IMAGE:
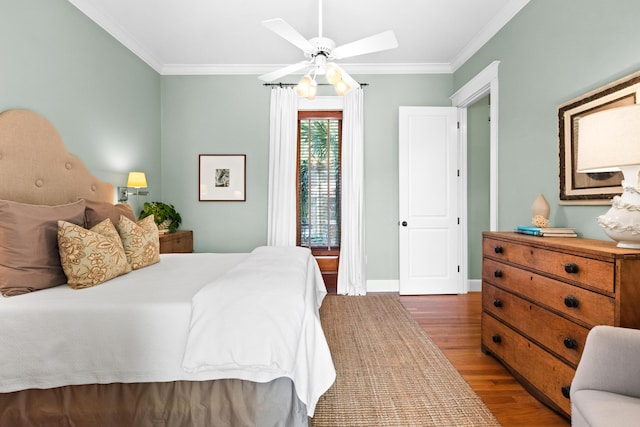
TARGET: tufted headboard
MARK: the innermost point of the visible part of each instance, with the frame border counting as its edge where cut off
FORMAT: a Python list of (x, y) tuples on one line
[(36, 168)]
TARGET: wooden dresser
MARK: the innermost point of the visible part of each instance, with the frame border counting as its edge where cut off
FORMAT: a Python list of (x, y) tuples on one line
[(540, 298), (181, 241)]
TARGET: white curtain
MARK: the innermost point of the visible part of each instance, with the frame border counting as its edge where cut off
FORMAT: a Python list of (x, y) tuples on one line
[(352, 268), (281, 229)]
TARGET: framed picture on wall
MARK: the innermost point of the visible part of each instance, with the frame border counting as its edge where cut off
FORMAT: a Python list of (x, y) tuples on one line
[(222, 178), (590, 188)]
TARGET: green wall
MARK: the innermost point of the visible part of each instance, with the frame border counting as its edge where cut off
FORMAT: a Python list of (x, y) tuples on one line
[(230, 115), (104, 101), (551, 52)]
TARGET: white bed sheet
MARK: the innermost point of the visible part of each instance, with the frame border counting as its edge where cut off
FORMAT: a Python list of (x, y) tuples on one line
[(141, 320), (270, 303)]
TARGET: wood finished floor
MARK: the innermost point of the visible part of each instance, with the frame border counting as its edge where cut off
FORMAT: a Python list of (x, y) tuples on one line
[(453, 322)]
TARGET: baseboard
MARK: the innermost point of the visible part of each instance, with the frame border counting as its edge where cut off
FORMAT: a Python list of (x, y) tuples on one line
[(474, 285), (383, 285), (394, 285)]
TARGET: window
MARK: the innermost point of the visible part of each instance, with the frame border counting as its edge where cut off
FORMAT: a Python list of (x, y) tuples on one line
[(319, 145)]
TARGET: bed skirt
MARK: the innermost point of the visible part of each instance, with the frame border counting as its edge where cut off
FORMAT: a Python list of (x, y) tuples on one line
[(227, 402)]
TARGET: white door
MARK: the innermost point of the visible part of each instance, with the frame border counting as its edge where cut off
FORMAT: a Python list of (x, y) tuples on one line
[(429, 200)]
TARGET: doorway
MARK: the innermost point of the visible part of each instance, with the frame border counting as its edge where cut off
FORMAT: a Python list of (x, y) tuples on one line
[(483, 84)]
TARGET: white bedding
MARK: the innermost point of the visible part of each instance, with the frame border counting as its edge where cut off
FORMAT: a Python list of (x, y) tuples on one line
[(272, 328), (134, 328)]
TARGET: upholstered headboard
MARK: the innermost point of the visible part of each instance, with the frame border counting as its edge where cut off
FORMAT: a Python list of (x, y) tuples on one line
[(36, 168)]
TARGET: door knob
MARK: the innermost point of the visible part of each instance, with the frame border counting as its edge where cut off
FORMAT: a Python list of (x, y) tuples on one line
[(404, 223)]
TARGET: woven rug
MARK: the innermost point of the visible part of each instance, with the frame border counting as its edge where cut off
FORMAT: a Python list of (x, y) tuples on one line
[(389, 372)]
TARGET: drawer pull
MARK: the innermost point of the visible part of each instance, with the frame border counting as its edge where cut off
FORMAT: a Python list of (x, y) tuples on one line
[(497, 249), (571, 268), (566, 391), (497, 303), (496, 339), (571, 302), (497, 273), (570, 343)]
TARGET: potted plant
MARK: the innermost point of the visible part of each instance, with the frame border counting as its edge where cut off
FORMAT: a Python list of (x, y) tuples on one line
[(164, 215)]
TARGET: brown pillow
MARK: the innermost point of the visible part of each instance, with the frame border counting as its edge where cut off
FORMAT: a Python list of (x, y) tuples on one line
[(96, 212), (140, 240), (91, 257), (29, 259)]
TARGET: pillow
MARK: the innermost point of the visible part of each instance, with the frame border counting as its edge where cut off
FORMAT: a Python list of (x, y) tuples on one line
[(29, 259), (140, 240), (91, 257), (96, 212)]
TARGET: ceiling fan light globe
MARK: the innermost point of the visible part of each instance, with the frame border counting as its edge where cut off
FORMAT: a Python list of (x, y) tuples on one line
[(333, 74), (341, 87), (304, 86), (313, 89)]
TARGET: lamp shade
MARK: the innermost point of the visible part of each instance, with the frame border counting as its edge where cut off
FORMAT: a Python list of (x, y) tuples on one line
[(332, 73), (341, 87), (137, 179), (609, 140)]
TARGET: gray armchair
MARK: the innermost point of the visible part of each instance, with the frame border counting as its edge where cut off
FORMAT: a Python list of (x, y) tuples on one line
[(606, 388)]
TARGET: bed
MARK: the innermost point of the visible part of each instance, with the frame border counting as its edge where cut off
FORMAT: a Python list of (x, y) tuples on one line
[(188, 339)]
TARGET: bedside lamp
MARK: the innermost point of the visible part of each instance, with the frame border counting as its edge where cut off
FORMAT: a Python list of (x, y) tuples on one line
[(135, 181), (610, 141)]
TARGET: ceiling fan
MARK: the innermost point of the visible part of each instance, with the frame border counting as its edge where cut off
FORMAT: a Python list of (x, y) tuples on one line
[(321, 52)]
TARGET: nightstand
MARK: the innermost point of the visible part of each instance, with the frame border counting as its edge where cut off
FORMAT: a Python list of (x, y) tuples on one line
[(181, 241)]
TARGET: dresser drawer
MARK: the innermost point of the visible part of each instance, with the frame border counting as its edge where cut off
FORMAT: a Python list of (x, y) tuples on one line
[(180, 241), (550, 377), (554, 332), (581, 304), (595, 273)]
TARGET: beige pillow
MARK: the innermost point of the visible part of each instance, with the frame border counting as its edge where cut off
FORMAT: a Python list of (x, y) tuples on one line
[(140, 240), (96, 212), (29, 259), (91, 257)]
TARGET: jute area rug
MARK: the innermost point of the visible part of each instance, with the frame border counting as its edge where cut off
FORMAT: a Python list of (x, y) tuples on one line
[(389, 372)]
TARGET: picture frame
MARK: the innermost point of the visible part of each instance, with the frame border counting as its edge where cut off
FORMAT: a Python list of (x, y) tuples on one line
[(590, 188), (222, 177)]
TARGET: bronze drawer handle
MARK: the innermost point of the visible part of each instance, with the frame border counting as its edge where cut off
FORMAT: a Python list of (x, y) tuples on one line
[(571, 302), (566, 391), (496, 339), (497, 273), (497, 303), (571, 268), (498, 249), (570, 343)]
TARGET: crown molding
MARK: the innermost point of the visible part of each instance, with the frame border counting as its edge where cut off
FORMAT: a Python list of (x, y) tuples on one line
[(107, 24), (257, 69), (487, 32)]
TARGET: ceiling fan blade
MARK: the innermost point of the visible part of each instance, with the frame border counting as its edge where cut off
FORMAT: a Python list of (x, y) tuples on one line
[(287, 32), (269, 77), (382, 41), (345, 76)]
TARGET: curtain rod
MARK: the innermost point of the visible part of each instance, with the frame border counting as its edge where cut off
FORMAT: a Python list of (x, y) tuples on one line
[(295, 84)]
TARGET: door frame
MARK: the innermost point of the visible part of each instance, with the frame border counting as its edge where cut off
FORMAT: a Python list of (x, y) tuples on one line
[(482, 84)]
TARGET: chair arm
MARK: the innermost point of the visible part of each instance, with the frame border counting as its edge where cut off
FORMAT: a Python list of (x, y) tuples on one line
[(610, 362)]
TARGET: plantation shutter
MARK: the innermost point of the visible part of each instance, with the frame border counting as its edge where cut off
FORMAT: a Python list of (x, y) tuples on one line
[(319, 181)]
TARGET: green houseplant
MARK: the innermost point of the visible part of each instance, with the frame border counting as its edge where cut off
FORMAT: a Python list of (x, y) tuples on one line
[(164, 215)]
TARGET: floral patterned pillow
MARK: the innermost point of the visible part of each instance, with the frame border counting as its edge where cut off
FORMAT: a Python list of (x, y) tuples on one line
[(140, 240), (90, 257)]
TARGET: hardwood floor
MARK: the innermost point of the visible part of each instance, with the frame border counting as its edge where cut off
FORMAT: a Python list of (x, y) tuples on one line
[(453, 322)]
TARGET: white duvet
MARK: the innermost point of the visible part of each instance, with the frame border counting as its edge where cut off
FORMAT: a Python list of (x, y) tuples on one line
[(189, 317), (272, 328)]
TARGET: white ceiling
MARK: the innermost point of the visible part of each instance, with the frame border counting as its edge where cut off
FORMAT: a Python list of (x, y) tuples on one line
[(227, 37)]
